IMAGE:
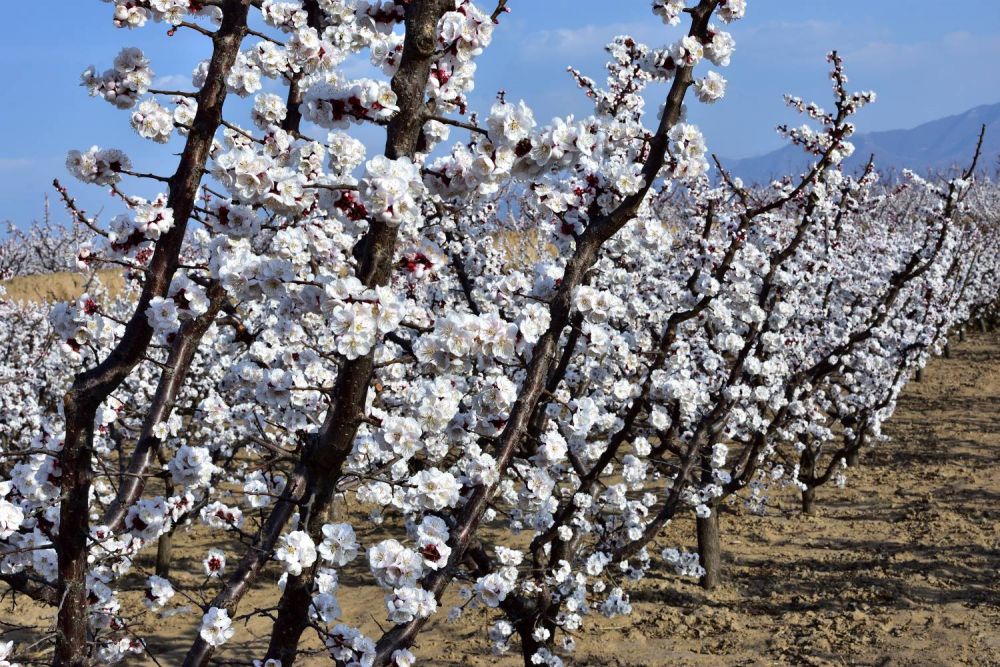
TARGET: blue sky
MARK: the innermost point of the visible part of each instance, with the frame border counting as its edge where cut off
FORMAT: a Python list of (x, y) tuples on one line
[(924, 60)]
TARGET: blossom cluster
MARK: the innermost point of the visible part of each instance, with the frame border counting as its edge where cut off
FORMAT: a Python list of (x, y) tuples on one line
[(125, 82)]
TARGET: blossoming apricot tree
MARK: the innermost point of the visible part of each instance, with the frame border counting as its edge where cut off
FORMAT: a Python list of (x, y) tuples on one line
[(313, 329)]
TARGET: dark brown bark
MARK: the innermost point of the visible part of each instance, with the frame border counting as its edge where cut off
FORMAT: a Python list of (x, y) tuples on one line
[(71, 542), (93, 386), (164, 545), (809, 501), (529, 645), (807, 475), (254, 559), (710, 550), (854, 458), (164, 551)]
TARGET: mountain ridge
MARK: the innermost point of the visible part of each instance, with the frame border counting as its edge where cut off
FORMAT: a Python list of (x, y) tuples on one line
[(932, 147)]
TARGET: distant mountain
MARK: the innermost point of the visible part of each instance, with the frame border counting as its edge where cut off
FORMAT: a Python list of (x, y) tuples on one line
[(932, 147)]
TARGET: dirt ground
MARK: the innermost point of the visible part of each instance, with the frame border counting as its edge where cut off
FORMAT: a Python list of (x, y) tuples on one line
[(900, 568)]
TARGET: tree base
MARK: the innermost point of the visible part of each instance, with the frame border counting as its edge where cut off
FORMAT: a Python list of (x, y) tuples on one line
[(710, 550)]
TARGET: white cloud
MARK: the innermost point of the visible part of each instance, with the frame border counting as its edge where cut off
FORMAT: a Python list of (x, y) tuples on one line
[(952, 49), (19, 162), (172, 82), (587, 42)]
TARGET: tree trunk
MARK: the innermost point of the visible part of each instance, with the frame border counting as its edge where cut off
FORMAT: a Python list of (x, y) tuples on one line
[(855, 447), (920, 375), (947, 350), (91, 387), (854, 458), (961, 335), (807, 475), (331, 445), (529, 646), (710, 550), (72, 620), (164, 547), (809, 501)]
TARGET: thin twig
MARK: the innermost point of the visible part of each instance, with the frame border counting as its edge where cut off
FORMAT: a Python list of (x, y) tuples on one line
[(501, 9), (458, 123), (139, 174), (78, 213), (172, 93)]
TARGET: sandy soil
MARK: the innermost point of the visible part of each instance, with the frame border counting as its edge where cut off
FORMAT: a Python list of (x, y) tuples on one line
[(900, 568)]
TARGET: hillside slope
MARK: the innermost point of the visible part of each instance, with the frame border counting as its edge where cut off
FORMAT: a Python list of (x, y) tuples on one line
[(932, 147)]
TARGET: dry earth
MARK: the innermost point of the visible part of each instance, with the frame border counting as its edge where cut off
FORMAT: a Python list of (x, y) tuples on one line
[(898, 569)]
